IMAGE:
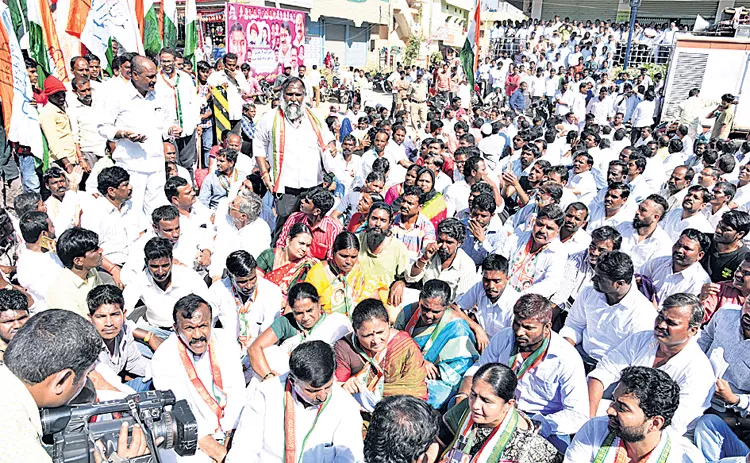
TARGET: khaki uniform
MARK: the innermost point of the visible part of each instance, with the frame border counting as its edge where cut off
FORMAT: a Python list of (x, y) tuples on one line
[(418, 93), (402, 87)]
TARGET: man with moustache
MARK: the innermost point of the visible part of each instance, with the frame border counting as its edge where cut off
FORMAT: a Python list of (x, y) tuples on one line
[(643, 238), (377, 151), (85, 116), (160, 285), (728, 249), (139, 122), (177, 92), (669, 346), (55, 124), (681, 272), (537, 258), (608, 311), (445, 260), (573, 232), (726, 336), (558, 410), (14, 313), (639, 423), (615, 209), (292, 147), (484, 230), (200, 365), (690, 215)]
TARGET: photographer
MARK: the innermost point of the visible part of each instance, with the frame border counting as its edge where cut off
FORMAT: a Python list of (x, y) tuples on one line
[(46, 365)]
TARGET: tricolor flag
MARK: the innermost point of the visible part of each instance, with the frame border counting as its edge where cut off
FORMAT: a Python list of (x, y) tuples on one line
[(470, 51), (107, 20), (191, 31), (43, 44), (20, 117), (170, 23), (151, 36)]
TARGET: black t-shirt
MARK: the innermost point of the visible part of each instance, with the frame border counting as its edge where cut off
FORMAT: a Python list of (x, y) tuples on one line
[(721, 267)]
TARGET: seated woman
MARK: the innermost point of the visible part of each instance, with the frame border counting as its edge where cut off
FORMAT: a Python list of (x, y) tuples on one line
[(374, 184), (376, 361), (488, 428), (434, 207), (269, 353), (446, 340), (340, 282), (286, 266), (395, 192), (358, 223)]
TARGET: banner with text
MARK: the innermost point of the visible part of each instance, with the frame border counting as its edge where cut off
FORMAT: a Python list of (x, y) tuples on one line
[(268, 39)]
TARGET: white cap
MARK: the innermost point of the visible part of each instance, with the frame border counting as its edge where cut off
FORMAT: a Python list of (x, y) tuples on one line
[(486, 129)]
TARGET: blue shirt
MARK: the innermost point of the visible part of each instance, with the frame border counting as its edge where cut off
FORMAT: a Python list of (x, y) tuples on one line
[(517, 100)]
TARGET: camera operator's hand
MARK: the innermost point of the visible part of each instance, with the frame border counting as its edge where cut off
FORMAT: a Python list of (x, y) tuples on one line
[(137, 447)]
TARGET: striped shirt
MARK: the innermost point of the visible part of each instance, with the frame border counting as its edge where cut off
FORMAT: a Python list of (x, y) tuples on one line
[(417, 238)]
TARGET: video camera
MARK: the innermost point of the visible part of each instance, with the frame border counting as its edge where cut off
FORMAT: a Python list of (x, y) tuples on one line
[(73, 435)]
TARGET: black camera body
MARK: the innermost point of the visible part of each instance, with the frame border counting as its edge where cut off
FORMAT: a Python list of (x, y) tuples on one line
[(73, 435)]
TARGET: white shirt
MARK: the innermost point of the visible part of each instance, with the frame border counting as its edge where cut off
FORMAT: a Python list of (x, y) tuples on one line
[(35, 272), (159, 303), (585, 183), (492, 316), (126, 109), (601, 109), (185, 251), (598, 217), (303, 159), (589, 439), (189, 104), (673, 223), (550, 263), (714, 219), (234, 92), (554, 392), (442, 181), (690, 369), (84, 122), (578, 242), (169, 372), (336, 436), (118, 229), (599, 327), (456, 197), (643, 115), (690, 280), (254, 238), (264, 308), (658, 244)]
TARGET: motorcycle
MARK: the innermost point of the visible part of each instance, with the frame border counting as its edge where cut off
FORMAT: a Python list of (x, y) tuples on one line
[(437, 103), (267, 88), (325, 90)]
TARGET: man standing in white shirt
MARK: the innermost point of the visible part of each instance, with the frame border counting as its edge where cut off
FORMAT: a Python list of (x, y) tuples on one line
[(201, 366), (178, 94), (232, 79), (601, 108), (681, 272), (291, 147), (302, 414), (669, 346), (638, 423), (608, 311), (64, 203), (85, 116), (139, 122), (558, 410)]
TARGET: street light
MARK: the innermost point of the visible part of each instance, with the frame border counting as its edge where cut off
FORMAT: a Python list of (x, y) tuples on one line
[(634, 4)]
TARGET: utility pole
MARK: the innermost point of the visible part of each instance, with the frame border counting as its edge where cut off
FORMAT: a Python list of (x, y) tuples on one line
[(634, 4)]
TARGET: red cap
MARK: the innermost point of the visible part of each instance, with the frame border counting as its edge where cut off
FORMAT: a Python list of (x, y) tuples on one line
[(53, 85)]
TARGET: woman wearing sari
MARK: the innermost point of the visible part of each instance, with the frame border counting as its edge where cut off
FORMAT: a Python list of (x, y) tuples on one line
[(376, 361), (395, 192), (446, 340), (286, 266), (434, 207), (340, 282), (269, 352), (487, 427)]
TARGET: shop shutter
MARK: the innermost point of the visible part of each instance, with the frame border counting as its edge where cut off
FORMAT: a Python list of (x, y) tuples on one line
[(580, 10), (689, 69), (335, 40), (685, 11)]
